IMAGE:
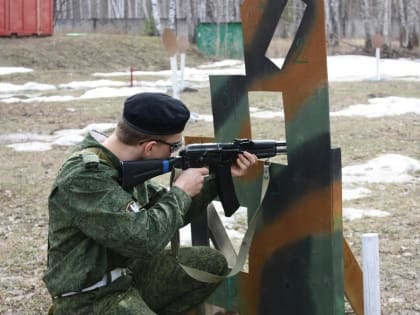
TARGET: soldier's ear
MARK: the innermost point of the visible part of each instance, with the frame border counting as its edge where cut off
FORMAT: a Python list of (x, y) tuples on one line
[(148, 147)]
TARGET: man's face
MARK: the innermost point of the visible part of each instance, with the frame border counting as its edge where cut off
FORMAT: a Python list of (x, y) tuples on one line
[(162, 149)]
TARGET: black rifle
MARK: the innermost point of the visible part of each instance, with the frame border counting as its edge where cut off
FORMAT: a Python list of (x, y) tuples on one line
[(218, 157)]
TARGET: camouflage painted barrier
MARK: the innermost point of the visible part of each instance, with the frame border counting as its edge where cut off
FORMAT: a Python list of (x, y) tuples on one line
[(297, 261)]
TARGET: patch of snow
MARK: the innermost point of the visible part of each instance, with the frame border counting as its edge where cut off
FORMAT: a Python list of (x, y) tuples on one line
[(201, 117), (29, 86), (387, 168), (40, 99), (267, 114), (379, 107), (221, 64), (23, 137), (92, 84), (68, 140), (107, 92), (65, 137), (31, 146), (353, 214), (355, 193), (10, 70)]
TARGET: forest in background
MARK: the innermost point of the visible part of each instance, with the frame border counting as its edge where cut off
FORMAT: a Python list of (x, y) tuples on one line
[(394, 20)]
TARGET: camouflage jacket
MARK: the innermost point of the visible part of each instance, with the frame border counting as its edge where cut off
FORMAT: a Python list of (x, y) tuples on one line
[(92, 229)]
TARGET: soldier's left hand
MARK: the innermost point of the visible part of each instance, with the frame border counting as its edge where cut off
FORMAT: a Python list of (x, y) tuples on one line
[(243, 163)]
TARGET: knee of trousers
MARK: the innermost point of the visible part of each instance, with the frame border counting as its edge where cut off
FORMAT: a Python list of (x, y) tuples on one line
[(204, 258)]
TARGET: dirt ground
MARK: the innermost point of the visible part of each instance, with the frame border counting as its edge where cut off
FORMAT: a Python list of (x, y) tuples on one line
[(26, 177)]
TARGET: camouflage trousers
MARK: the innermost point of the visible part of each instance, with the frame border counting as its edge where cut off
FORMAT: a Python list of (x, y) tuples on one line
[(157, 287)]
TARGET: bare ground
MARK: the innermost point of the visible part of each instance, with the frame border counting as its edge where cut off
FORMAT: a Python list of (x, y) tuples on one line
[(26, 177)]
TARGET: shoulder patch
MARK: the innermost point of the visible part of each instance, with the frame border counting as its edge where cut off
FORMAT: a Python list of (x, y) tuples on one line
[(90, 160)]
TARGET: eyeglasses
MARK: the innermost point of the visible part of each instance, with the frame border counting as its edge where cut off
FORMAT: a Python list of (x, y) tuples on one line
[(173, 147)]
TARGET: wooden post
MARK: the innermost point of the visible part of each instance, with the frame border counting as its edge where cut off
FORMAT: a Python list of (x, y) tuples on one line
[(371, 279)]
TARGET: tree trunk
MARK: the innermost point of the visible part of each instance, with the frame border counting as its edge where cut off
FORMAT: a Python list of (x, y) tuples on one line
[(211, 11), (403, 24), (334, 32), (298, 14), (70, 9), (59, 6), (348, 18), (218, 21), (413, 22), (202, 13), (416, 39), (328, 26), (367, 24), (191, 11), (156, 17), (172, 15), (237, 10), (387, 23), (146, 10), (116, 9), (129, 12), (343, 18), (98, 9)]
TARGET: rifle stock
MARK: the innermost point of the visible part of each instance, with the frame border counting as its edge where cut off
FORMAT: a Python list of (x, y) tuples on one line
[(137, 172)]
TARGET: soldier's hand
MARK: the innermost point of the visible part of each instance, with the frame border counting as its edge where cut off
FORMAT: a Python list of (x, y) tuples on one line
[(191, 180), (243, 163)]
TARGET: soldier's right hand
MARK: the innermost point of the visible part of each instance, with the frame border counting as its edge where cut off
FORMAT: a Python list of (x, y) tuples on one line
[(191, 180)]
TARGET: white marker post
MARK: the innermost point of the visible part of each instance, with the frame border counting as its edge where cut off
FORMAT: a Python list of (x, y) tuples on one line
[(174, 76), (378, 42), (182, 68), (371, 278), (182, 46), (378, 59)]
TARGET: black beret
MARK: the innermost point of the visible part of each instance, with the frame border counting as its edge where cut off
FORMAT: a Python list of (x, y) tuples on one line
[(155, 114)]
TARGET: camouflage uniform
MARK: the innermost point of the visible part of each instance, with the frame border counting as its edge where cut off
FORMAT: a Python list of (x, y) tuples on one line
[(93, 230)]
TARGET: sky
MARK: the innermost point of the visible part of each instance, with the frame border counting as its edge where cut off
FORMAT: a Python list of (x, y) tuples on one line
[(385, 168)]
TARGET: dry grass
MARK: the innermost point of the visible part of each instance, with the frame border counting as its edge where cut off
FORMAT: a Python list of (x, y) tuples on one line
[(26, 177)]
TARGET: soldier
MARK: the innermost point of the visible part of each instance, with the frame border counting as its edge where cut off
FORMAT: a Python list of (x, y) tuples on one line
[(106, 246)]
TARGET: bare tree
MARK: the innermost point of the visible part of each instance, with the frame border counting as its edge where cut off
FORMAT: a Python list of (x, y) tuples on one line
[(196, 13), (413, 22), (387, 17), (201, 9), (386, 27), (299, 9), (367, 24), (156, 17), (146, 10), (333, 31), (237, 7), (327, 18), (172, 15), (58, 9), (403, 23)]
